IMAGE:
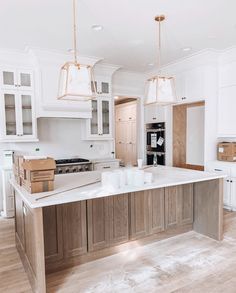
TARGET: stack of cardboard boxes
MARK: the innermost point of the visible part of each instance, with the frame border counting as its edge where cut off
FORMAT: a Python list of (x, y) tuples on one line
[(226, 151), (35, 175)]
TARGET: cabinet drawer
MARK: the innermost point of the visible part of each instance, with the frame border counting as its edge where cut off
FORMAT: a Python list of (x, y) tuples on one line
[(106, 166)]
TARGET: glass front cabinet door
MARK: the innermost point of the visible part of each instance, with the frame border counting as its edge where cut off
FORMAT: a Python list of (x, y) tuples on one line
[(18, 122), (99, 126)]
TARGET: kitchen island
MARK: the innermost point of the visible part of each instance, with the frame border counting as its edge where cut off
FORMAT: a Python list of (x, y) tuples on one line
[(73, 225)]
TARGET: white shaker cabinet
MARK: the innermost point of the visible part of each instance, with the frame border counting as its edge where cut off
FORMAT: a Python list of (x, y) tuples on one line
[(18, 121), (103, 86), (226, 112), (190, 85), (154, 113), (99, 127), (8, 194), (229, 188)]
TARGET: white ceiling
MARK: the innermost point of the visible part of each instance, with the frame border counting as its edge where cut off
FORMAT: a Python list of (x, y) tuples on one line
[(129, 35)]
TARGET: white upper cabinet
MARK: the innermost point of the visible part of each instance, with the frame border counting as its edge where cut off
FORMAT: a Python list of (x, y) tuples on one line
[(18, 122), (227, 76), (17, 79), (103, 86), (154, 113), (99, 127), (190, 85), (226, 112)]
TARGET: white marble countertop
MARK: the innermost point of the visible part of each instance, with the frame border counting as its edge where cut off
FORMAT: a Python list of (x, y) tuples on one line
[(162, 177)]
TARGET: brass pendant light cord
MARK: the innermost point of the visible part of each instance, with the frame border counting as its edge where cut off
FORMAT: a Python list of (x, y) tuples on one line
[(75, 31), (159, 47)]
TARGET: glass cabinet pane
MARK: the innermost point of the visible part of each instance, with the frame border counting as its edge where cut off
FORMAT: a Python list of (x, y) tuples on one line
[(8, 78), (94, 119), (27, 114), (10, 114), (25, 79), (105, 87), (105, 117)]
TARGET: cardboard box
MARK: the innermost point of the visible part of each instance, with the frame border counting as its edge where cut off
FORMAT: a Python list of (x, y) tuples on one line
[(35, 187), (21, 169), (38, 176), (39, 164), (226, 151)]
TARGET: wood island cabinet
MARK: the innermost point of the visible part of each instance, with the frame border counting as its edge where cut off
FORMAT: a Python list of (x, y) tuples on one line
[(53, 237), (178, 205), (75, 228), (146, 213), (138, 215), (98, 223), (107, 222)]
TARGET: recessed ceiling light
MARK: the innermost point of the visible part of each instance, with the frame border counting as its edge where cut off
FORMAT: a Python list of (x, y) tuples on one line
[(187, 49), (97, 27), (116, 97), (150, 64)]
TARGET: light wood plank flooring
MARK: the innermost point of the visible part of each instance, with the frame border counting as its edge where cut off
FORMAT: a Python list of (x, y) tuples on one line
[(185, 263)]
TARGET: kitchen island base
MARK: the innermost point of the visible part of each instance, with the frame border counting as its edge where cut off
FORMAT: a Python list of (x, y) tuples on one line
[(55, 237)]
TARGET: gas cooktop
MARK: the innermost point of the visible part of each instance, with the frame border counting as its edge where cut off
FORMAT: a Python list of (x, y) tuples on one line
[(71, 161), (73, 165)]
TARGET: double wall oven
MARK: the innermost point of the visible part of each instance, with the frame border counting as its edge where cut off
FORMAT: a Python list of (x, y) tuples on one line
[(155, 135)]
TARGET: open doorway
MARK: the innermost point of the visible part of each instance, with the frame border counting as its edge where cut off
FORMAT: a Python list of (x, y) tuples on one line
[(126, 125), (188, 135)]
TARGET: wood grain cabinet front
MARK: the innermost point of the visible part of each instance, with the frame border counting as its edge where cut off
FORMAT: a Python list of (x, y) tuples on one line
[(98, 223), (146, 213), (75, 228), (107, 222), (19, 221), (53, 237), (178, 205)]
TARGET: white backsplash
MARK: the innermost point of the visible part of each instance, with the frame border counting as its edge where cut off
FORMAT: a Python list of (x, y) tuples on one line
[(60, 138)]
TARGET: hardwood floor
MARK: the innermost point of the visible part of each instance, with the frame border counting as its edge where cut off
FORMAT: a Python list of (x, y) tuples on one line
[(186, 263)]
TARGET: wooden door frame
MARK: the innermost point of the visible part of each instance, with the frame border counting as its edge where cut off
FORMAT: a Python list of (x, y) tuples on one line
[(180, 135)]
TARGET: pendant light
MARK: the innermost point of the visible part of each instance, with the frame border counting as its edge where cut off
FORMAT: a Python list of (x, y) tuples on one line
[(160, 89), (76, 80)]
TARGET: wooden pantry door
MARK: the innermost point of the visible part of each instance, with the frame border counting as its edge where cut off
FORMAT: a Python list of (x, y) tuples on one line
[(188, 136)]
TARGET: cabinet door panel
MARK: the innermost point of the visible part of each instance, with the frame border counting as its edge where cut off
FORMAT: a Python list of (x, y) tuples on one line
[(186, 204), (8, 79), (226, 112), (53, 242), (98, 224), (171, 207), (29, 238), (119, 232), (19, 227), (156, 214), (74, 228), (138, 215), (178, 205)]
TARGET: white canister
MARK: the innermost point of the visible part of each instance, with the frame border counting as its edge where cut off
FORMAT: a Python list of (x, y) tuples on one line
[(114, 180), (138, 178), (129, 173), (122, 178), (105, 178)]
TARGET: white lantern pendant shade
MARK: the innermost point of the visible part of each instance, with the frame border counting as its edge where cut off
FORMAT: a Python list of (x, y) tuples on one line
[(76, 82), (160, 90)]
